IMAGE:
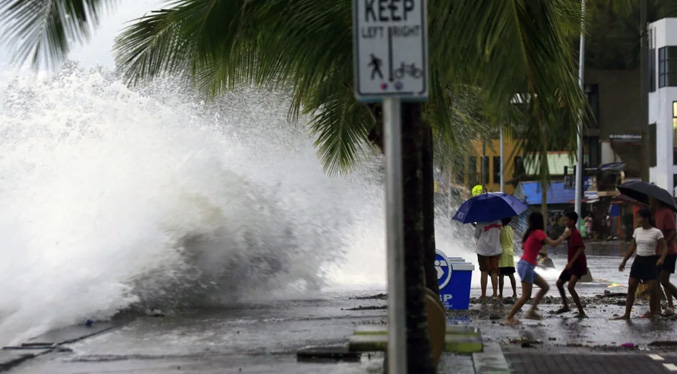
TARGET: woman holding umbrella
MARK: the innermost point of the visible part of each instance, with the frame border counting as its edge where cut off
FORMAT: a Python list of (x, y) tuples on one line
[(532, 243), (486, 211), (665, 221), (662, 208)]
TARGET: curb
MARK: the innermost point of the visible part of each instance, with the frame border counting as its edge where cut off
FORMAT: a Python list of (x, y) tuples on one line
[(491, 360)]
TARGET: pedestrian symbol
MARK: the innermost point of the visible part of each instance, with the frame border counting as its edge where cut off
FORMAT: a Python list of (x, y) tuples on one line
[(375, 65), (391, 57)]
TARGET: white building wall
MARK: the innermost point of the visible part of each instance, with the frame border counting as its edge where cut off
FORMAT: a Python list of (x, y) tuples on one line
[(608, 154), (663, 33)]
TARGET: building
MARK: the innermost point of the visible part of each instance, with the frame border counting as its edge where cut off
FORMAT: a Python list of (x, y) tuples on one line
[(468, 172), (517, 167), (613, 134), (662, 129)]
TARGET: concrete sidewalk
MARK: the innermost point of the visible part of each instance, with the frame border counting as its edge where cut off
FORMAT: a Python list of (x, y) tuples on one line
[(563, 360)]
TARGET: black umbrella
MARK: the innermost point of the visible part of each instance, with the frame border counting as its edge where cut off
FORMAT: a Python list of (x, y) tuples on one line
[(642, 191)]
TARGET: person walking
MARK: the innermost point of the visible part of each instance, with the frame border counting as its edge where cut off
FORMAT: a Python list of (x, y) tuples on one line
[(664, 218), (532, 243), (588, 225), (488, 251), (506, 263), (644, 267), (576, 267)]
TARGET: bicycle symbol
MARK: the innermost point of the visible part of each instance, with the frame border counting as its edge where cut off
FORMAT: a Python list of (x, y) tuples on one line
[(405, 69)]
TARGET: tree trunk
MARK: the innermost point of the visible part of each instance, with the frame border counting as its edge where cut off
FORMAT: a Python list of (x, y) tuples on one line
[(416, 239), (429, 246)]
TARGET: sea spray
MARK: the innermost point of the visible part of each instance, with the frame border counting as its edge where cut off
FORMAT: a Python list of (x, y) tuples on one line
[(116, 198)]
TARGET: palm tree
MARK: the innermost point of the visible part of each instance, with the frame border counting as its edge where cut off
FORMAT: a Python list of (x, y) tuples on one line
[(500, 47)]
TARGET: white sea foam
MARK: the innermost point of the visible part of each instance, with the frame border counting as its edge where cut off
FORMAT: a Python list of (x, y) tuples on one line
[(113, 198)]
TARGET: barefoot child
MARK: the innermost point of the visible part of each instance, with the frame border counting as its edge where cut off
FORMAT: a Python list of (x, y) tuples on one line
[(644, 240), (576, 267), (664, 218), (506, 264), (488, 251), (533, 241)]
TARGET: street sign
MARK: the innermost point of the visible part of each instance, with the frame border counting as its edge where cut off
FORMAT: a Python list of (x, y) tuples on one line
[(391, 49)]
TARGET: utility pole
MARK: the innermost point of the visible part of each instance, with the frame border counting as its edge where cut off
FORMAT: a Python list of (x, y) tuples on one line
[(502, 158), (644, 68), (483, 166), (579, 154)]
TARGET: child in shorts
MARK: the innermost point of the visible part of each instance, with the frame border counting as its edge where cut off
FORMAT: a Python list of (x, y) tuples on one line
[(576, 267), (532, 242), (506, 263)]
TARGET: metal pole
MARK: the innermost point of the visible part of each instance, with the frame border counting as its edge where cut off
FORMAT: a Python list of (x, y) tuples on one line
[(483, 182), (579, 155), (397, 333), (502, 161), (644, 66)]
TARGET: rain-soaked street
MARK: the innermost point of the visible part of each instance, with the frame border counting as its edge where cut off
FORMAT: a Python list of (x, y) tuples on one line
[(265, 337)]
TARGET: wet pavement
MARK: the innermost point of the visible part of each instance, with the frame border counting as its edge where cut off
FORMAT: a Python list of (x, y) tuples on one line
[(253, 338), (603, 298), (264, 337)]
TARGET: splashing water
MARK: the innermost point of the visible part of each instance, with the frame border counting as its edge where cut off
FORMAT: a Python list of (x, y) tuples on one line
[(115, 198)]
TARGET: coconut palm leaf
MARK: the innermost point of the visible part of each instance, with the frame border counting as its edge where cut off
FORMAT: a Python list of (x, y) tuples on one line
[(42, 31), (501, 48)]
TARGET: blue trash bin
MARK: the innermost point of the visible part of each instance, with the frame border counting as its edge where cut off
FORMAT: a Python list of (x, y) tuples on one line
[(456, 294), (454, 277)]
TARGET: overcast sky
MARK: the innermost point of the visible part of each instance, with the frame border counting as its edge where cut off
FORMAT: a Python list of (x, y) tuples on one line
[(98, 50)]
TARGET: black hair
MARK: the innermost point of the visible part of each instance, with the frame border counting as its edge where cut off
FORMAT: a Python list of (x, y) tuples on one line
[(646, 214), (572, 215), (505, 221), (535, 223)]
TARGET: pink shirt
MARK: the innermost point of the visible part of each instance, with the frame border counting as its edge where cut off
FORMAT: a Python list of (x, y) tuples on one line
[(665, 221), (533, 245)]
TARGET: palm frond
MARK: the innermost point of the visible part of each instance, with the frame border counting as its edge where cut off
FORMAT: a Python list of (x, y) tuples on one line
[(186, 37), (517, 47), (500, 47), (41, 32), (341, 125)]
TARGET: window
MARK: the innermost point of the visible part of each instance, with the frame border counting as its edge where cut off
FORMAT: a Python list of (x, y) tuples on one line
[(674, 132), (652, 70), (652, 145), (497, 170), (472, 171), (518, 167), (460, 172), (485, 170), (592, 94), (652, 60), (667, 67)]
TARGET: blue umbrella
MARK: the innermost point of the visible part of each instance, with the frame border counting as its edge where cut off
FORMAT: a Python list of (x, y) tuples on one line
[(489, 207)]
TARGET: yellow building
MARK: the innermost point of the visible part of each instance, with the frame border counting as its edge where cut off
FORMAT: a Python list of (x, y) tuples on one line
[(469, 174)]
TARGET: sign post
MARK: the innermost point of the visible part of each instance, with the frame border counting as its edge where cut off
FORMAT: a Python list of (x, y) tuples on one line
[(391, 65)]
